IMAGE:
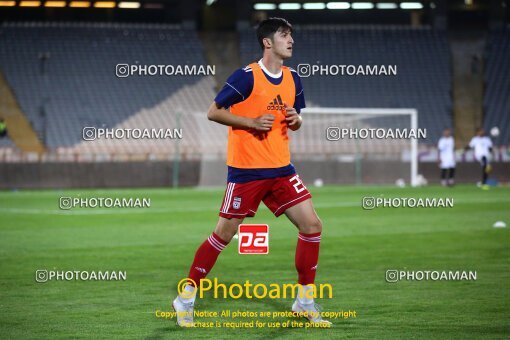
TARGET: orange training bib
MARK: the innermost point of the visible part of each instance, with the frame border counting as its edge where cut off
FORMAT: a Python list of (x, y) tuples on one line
[(251, 149)]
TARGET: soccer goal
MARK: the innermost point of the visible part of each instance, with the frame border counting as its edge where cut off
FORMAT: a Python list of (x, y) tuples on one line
[(361, 145), (333, 146)]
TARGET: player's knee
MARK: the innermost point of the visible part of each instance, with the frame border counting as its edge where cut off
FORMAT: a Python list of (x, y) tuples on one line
[(317, 225), (312, 226), (226, 229), (225, 234)]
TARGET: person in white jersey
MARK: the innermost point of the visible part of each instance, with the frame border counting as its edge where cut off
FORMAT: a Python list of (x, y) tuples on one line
[(483, 149), (446, 149)]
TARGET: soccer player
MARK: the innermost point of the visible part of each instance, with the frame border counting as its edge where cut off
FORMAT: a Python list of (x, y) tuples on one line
[(483, 148), (446, 147), (260, 103)]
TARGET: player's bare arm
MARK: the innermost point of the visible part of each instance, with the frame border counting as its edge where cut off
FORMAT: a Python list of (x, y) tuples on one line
[(222, 116)]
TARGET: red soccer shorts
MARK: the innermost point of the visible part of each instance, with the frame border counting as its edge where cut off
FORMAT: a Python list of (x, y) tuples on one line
[(278, 194)]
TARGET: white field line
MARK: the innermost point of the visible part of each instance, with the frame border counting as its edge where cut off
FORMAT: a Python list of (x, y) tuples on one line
[(124, 211)]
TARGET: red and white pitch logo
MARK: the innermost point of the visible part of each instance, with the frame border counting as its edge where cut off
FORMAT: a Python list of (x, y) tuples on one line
[(253, 238)]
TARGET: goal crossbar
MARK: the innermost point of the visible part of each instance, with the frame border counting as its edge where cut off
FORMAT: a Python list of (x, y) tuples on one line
[(411, 112)]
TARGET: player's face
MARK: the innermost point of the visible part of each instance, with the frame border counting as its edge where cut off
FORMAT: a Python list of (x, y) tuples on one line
[(282, 43)]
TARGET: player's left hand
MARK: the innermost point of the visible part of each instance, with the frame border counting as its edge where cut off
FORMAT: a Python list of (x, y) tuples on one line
[(293, 118)]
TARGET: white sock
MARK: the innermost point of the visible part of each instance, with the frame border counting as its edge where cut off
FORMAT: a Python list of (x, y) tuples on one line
[(190, 289), (304, 293)]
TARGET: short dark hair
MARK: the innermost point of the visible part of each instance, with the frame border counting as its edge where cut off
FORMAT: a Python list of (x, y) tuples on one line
[(268, 27)]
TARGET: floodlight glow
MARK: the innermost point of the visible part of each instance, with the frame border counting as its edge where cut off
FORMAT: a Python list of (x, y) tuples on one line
[(314, 5), (55, 4), (104, 4), (264, 7), (362, 5), (127, 4), (289, 6), (386, 5), (29, 4), (79, 4), (411, 5), (338, 5)]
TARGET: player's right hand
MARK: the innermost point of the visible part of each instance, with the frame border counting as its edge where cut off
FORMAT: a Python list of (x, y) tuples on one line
[(263, 123)]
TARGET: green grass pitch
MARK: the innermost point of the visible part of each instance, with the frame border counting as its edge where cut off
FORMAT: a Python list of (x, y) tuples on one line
[(155, 247)]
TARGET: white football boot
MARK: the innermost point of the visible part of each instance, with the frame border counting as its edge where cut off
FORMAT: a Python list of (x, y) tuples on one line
[(184, 312), (312, 310)]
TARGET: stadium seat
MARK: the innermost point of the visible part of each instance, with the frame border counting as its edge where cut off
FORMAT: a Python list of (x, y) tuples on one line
[(422, 57)]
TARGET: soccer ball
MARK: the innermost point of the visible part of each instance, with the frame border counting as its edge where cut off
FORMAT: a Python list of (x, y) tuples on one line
[(499, 224), (400, 183), (318, 182), (421, 180), (495, 131)]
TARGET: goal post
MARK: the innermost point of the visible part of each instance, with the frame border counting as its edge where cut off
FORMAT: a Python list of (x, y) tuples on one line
[(320, 119)]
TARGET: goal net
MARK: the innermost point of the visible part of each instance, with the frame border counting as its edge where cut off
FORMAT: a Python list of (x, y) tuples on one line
[(335, 146), (358, 145)]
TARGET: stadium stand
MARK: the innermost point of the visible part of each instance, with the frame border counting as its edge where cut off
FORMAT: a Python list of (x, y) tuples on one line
[(497, 80), (69, 69), (5, 142), (63, 76), (422, 56)]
